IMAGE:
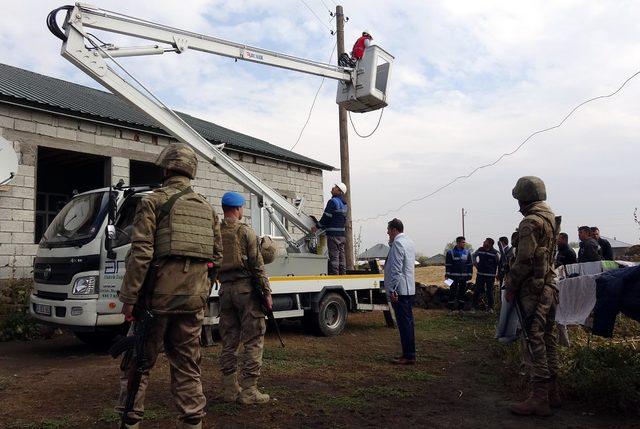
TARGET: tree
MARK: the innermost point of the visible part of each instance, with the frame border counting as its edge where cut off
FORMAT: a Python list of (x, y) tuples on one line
[(452, 244), (422, 259)]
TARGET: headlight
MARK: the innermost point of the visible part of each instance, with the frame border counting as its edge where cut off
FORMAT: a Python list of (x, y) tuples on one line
[(85, 285)]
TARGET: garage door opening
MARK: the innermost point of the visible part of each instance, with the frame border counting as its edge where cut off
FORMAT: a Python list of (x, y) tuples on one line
[(144, 173), (61, 173)]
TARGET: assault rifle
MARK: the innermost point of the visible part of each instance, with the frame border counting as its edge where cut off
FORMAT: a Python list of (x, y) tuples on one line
[(257, 287), (131, 347), (523, 325)]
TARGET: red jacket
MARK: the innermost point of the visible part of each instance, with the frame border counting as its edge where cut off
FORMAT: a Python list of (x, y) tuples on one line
[(359, 47)]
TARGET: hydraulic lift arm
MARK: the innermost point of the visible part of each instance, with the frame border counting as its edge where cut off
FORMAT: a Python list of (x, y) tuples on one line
[(92, 60)]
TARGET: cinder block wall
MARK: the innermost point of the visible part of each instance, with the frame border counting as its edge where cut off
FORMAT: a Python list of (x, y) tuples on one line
[(28, 129)]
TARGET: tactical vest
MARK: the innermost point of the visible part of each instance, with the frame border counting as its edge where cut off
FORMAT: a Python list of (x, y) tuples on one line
[(232, 257), (543, 259), (185, 226)]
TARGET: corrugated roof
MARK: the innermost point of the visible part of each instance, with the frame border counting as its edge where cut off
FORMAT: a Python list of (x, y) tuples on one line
[(617, 243), (35, 90)]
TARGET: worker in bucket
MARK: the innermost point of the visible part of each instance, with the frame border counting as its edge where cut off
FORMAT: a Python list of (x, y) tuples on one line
[(357, 53), (333, 222)]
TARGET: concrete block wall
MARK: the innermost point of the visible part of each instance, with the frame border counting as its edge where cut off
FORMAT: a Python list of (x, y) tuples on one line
[(27, 129)]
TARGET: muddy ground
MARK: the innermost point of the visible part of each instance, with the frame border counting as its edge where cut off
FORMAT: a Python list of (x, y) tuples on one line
[(461, 381)]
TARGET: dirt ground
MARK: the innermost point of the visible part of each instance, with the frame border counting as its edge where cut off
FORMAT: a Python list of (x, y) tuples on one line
[(461, 380)]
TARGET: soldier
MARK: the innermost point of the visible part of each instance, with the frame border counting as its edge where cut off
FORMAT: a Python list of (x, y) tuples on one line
[(242, 319), (180, 287), (531, 282)]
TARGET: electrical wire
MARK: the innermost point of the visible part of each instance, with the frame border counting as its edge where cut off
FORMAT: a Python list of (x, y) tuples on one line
[(326, 7), (372, 132), (504, 155), (314, 102), (317, 17)]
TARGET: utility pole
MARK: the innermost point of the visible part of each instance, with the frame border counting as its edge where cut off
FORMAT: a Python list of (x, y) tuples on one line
[(344, 148), (464, 213)]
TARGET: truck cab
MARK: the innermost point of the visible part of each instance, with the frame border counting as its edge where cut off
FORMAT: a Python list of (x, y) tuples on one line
[(75, 283)]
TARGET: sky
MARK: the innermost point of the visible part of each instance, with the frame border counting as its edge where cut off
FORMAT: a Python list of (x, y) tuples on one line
[(470, 81)]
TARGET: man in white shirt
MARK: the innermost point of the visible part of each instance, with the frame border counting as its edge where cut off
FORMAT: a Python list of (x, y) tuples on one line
[(400, 286)]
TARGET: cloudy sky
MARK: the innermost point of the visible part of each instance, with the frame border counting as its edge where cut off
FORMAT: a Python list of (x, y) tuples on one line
[(471, 81)]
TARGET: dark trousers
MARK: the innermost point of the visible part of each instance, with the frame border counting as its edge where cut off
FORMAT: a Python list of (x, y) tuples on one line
[(404, 317), (484, 284), (337, 258), (457, 293)]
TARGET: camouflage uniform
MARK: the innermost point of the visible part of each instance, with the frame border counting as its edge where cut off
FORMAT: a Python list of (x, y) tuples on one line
[(179, 240), (531, 280), (242, 319)]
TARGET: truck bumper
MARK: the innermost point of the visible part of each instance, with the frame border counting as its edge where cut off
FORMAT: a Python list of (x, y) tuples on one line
[(76, 313)]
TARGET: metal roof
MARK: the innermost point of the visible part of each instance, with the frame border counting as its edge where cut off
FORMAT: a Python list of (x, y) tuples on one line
[(616, 244), (35, 90)]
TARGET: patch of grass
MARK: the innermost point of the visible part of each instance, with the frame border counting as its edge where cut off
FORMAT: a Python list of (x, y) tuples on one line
[(224, 408), (604, 377), (110, 415), (414, 375), (53, 423)]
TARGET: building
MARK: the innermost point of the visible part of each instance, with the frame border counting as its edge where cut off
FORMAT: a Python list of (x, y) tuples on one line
[(438, 259), (70, 138), (619, 247)]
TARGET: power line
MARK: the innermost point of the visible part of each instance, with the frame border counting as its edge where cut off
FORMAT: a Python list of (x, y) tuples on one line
[(317, 17), (313, 103), (372, 132), (504, 155), (326, 7)]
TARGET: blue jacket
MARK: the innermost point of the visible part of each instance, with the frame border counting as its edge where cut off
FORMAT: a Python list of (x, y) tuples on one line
[(399, 268), (616, 291), (487, 261), (459, 265), (334, 218)]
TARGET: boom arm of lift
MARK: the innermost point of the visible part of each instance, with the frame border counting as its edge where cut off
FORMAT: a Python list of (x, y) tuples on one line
[(91, 60)]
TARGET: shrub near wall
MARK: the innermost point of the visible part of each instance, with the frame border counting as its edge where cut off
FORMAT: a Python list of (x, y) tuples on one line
[(15, 321)]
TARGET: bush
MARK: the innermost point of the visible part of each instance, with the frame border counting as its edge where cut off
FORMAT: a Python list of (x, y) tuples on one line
[(15, 321), (604, 377)]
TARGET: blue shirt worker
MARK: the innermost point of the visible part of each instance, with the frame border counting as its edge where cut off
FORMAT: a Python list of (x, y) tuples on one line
[(400, 286), (459, 268), (333, 222), (486, 260)]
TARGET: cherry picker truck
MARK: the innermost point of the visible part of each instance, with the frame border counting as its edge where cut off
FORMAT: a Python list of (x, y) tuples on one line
[(79, 265)]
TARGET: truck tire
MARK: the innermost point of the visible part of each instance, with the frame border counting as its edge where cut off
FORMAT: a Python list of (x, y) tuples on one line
[(331, 317)]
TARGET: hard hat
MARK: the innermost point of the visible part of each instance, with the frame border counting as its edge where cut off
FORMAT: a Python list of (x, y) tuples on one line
[(180, 158), (529, 189), (232, 199), (341, 186)]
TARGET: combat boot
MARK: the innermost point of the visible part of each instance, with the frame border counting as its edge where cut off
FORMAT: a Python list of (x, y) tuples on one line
[(536, 404), (182, 424), (130, 423), (251, 395), (230, 387), (555, 400)]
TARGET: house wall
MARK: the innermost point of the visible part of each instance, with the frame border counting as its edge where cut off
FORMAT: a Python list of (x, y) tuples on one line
[(28, 129)]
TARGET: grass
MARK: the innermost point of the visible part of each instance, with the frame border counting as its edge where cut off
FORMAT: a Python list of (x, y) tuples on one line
[(53, 423), (151, 413)]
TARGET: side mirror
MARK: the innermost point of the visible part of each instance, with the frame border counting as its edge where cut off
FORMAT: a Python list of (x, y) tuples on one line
[(110, 230)]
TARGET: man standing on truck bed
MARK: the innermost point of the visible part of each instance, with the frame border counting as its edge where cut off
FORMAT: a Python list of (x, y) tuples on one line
[(333, 222), (179, 289), (242, 319)]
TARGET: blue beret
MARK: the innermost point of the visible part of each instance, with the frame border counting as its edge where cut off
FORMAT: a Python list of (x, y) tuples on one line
[(233, 199)]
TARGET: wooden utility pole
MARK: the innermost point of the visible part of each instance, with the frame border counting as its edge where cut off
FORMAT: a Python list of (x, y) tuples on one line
[(344, 147)]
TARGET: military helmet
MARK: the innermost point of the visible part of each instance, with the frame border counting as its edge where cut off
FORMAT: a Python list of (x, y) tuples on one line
[(267, 249), (529, 188), (180, 158)]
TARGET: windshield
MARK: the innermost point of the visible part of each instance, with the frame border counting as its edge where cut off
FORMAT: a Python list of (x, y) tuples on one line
[(78, 221)]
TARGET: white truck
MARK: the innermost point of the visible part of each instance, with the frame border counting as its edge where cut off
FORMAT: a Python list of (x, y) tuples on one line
[(79, 265)]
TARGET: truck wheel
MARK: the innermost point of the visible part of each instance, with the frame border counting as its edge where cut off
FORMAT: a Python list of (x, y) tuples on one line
[(331, 317)]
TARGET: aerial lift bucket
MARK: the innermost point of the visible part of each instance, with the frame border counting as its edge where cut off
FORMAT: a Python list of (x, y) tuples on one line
[(369, 92)]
